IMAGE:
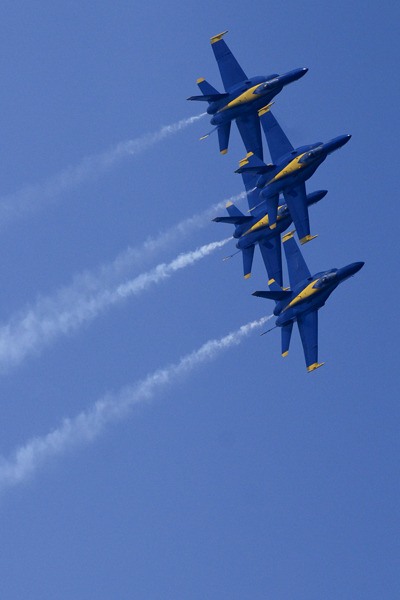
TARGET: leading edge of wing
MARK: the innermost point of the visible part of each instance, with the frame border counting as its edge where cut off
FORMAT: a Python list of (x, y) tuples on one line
[(229, 68)]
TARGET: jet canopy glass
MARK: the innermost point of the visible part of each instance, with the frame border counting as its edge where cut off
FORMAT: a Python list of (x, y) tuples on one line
[(267, 85)]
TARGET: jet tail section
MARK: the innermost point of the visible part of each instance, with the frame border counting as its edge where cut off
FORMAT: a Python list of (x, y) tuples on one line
[(286, 335), (236, 217), (273, 294), (252, 164), (248, 255), (209, 93), (223, 137)]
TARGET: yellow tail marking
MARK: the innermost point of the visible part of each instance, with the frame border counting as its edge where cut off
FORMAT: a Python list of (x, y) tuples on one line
[(228, 204), (245, 160), (265, 109), (271, 281), (307, 238), (200, 80), (314, 366), (224, 151), (287, 236), (272, 226), (218, 37), (284, 354), (247, 276)]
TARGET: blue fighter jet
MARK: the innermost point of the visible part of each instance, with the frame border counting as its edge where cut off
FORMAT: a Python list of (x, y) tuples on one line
[(254, 229), (291, 169), (242, 99), (301, 303)]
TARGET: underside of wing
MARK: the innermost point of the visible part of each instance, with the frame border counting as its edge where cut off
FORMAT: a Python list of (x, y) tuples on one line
[(277, 141), (297, 267), (250, 131), (296, 200), (231, 72), (308, 328), (272, 257)]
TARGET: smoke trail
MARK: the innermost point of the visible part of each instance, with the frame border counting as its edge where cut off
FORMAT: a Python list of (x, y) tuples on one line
[(33, 197), (89, 424), (62, 314), (126, 259)]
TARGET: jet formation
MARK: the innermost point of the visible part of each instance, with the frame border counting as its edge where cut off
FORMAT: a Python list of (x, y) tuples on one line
[(276, 195)]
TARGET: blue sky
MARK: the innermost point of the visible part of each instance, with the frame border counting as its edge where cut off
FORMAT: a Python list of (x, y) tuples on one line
[(233, 474)]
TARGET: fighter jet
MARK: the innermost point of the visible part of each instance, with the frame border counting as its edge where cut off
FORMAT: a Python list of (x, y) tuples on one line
[(301, 303), (290, 170), (254, 229), (242, 98)]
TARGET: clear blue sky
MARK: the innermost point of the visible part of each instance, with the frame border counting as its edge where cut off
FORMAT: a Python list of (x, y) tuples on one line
[(248, 477)]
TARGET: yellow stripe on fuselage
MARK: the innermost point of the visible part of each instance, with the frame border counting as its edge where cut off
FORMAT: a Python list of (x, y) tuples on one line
[(261, 223), (247, 96), (292, 167), (308, 291)]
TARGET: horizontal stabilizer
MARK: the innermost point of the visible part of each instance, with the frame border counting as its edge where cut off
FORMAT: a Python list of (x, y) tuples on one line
[(209, 97), (252, 164), (273, 295), (234, 220)]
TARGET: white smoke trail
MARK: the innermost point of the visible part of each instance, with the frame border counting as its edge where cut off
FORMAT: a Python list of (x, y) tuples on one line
[(33, 197), (126, 259), (89, 424), (62, 314)]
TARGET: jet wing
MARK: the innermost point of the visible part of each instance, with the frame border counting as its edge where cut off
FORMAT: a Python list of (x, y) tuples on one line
[(277, 141), (231, 72), (271, 252), (297, 268), (308, 327), (296, 200), (250, 131)]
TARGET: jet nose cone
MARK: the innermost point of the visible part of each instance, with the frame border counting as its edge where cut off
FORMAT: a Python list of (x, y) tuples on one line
[(357, 266), (292, 75), (350, 270), (336, 143)]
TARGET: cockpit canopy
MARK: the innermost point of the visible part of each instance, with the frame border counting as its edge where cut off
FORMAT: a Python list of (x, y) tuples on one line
[(312, 154), (266, 85), (325, 279)]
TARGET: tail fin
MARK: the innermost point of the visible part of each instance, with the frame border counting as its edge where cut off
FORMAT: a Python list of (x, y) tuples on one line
[(248, 255), (285, 336), (223, 137), (210, 94), (272, 209), (252, 164)]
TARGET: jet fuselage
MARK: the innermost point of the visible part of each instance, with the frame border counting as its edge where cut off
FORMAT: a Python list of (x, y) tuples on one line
[(258, 230), (250, 96), (298, 166), (312, 293)]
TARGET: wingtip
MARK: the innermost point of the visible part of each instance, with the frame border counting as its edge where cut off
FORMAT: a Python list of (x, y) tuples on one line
[(288, 236), (265, 109), (307, 238), (314, 366), (218, 37)]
